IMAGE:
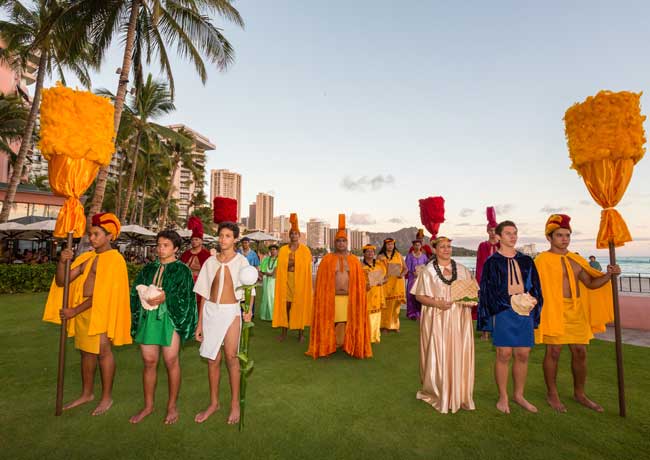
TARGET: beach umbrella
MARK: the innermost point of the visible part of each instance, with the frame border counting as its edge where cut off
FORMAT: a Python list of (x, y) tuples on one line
[(136, 233), (260, 237), (606, 140), (11, 230), (42, 229)]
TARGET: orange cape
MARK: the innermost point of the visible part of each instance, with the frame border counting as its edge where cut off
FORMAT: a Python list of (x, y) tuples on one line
[(322, 337), (302, 296), (597, 302), (110, 311)]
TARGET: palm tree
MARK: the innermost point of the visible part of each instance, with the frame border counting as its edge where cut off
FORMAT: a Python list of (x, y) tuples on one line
[(43, 30), (180, 153), (13, 117), (148, 28)]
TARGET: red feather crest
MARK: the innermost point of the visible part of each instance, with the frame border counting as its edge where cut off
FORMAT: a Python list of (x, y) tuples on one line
[(432, 214), (225, 209), (195, 225), (491, 215)]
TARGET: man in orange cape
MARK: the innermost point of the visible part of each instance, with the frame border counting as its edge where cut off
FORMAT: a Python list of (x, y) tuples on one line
[(100, 315), (340, 316), (293, 285), (577, 303)]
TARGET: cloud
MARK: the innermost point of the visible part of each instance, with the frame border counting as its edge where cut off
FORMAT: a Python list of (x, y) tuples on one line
[(361, 219), (548, 209), (587, 203), (503, 209), (466, 212), (364, 183), (396, 220), (463, 224)]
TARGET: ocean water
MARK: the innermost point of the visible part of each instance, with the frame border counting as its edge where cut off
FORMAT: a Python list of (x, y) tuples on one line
[(629, 265)]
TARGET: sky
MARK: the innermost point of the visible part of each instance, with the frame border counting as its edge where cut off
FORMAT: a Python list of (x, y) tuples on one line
[(364, 107)]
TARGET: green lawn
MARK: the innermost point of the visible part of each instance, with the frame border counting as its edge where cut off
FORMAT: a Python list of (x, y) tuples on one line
[(300, 408)]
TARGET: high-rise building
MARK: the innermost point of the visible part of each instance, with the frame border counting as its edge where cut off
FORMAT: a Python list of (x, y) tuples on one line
[(264, 212), (252, 214), (358, 239), (318, 234), (281, 224), (227, 184), (244, 221), (184, 183)]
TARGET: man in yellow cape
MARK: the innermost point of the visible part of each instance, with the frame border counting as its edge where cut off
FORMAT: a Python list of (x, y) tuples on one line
[(577, 303), (100, 315), (340, 316), (293, 285)]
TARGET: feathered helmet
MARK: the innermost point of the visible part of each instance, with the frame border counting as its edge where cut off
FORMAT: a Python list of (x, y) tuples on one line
[(432, 214), (195, 225), (293, 220), (224, 209), (491, 215), (341, 233)]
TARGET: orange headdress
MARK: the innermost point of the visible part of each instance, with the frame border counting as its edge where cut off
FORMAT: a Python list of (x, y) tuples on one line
[(293, 220), (367, 247), (109, 222), (341, 232), (556, 221)]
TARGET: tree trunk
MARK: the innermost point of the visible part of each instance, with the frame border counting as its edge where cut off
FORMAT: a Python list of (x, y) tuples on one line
[(118, 195), (165, 210), (102, 176), (134, 165), (144, 196), (26, 140), (134, 211)]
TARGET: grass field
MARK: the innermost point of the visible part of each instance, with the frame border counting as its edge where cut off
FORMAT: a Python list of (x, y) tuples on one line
[(299, 408)]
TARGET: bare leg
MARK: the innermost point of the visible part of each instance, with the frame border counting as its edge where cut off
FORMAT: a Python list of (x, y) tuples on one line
[(88, 366), (107, 371), (579, 369), (170, 355), (339, 329), (485, 336), (501, 376), (301, 335), (213, 378), (519, 374), (230, 347), (283, 335), (150, 355), (550, 365)]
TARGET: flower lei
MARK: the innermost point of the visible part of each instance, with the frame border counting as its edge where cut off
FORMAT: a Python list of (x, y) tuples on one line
[(454, 272)]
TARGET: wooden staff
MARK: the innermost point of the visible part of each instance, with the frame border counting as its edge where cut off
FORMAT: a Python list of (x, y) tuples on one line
[(63, 334), (617, 335)]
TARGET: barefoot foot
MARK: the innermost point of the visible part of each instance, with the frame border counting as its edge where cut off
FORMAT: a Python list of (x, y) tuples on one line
[(137, 418), (79, 401), (172, 416), (203, 416), (103, 407), (301, 338), (555, 403), (525, 404), (233, 418), (503, 406), (281, 338), (588, 403)]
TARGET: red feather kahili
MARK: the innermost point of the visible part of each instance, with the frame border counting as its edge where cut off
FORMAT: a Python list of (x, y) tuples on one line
[(491, 215), (195, 225), (432, 214), (225, 209)]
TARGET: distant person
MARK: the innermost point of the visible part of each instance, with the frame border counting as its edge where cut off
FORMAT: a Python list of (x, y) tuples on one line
[(374, 290), (577, 303), (485, 250), (593, 263), (268, 270), (510, 302), (394, 290), (247, 252), (98, 316), (162, 323), (415, 261)]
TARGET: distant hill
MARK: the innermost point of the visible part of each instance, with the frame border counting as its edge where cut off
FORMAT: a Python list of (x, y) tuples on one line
[(403, 238)]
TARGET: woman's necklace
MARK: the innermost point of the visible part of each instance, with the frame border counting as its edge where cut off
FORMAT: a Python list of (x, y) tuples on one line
[(454, 272)]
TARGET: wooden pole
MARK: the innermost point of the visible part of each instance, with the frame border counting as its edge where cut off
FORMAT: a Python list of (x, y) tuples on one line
[(63, 334), (617, 332)]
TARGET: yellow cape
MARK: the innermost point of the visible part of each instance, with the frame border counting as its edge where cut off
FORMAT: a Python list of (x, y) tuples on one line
[(596, 302), (301, 307), (375, 295), (110, 311)]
